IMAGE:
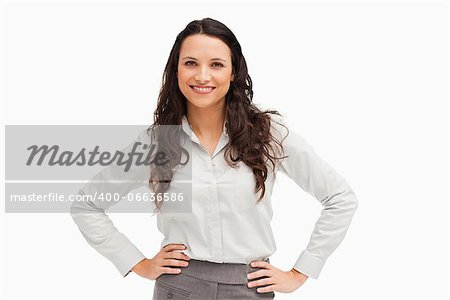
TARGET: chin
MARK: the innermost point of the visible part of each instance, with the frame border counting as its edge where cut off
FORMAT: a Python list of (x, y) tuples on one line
[(203, 104)]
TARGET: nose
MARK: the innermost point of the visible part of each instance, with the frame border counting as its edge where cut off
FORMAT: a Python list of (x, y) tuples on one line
[(203, 75)]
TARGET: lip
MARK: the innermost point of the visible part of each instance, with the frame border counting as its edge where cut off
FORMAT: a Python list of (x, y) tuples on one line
[(202, 86)]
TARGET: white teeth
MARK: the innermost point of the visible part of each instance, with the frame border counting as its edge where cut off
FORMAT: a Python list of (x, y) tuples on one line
[(202, 89)]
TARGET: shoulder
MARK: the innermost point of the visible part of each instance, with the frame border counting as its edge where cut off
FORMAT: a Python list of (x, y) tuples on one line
[(291, 139), (278, 126)]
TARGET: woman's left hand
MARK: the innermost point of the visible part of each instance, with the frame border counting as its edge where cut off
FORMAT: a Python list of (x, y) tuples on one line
[(276, 281)]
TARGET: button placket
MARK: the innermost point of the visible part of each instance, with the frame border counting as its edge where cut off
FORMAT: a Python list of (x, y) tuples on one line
[(216, 230)]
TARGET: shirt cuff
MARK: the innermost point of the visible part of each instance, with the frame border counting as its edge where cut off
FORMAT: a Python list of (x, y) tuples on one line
[(309, 265), (127, 258)]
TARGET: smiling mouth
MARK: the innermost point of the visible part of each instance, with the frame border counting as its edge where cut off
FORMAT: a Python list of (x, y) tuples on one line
[(202, 90)]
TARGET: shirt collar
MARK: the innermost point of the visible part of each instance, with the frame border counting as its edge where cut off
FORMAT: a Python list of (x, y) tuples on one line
[(187, 127)]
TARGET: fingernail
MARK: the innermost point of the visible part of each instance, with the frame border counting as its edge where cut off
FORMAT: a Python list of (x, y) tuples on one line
[(249, 276)]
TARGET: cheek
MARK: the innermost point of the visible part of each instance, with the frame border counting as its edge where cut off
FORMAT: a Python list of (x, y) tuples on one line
[(225, 87), (225, 83), (223, 79), (227, 78), (182, 81), (180, 76), (183, 74)]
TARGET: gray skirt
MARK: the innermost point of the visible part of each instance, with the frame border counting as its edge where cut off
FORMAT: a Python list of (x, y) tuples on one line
[(204, 280)]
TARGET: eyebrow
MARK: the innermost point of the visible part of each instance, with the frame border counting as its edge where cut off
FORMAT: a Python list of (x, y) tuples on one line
[(217, 58)]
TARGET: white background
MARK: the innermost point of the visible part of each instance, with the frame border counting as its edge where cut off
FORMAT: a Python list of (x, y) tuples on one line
[(365, 83)]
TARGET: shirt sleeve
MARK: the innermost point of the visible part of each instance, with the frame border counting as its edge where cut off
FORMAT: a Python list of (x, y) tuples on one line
[(96, 226), (315, 176)]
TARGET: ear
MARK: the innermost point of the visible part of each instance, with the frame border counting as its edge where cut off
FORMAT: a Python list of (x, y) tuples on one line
[(232, 77)]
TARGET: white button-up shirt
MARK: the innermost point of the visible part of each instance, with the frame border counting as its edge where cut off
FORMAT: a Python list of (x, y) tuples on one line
[(226, 225)]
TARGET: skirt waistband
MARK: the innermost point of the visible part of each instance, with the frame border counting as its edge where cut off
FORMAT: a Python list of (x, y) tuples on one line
[(229, 273)]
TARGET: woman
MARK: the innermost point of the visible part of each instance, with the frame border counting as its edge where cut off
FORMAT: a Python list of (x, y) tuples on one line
[(221, 249)]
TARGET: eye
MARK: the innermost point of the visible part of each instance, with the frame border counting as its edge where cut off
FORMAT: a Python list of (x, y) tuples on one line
[(191, 63), (188, 63)]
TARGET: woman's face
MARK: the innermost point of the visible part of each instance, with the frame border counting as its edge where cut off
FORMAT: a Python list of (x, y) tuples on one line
[(204, 71)]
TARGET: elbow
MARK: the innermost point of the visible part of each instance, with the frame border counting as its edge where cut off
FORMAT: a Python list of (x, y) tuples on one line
[(345, 200), (354, 204), (79, 206), (73, 209), (353, 201)]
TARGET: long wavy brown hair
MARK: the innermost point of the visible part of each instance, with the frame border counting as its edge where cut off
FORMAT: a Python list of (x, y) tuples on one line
[(250, 137)]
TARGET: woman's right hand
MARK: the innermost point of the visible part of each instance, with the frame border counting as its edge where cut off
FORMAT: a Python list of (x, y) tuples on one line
[(162, 262)]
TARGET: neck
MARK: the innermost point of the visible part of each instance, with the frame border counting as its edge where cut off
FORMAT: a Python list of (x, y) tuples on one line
[(206, 121)]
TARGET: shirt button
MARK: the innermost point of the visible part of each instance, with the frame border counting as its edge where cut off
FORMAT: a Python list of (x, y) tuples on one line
[(169, 295)]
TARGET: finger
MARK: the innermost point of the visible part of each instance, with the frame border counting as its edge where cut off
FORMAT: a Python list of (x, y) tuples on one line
[(171, 247), (260, 264), (266, 289), (175, 262), (261, 282), (257, 274), (165, 270), (177, 255)]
